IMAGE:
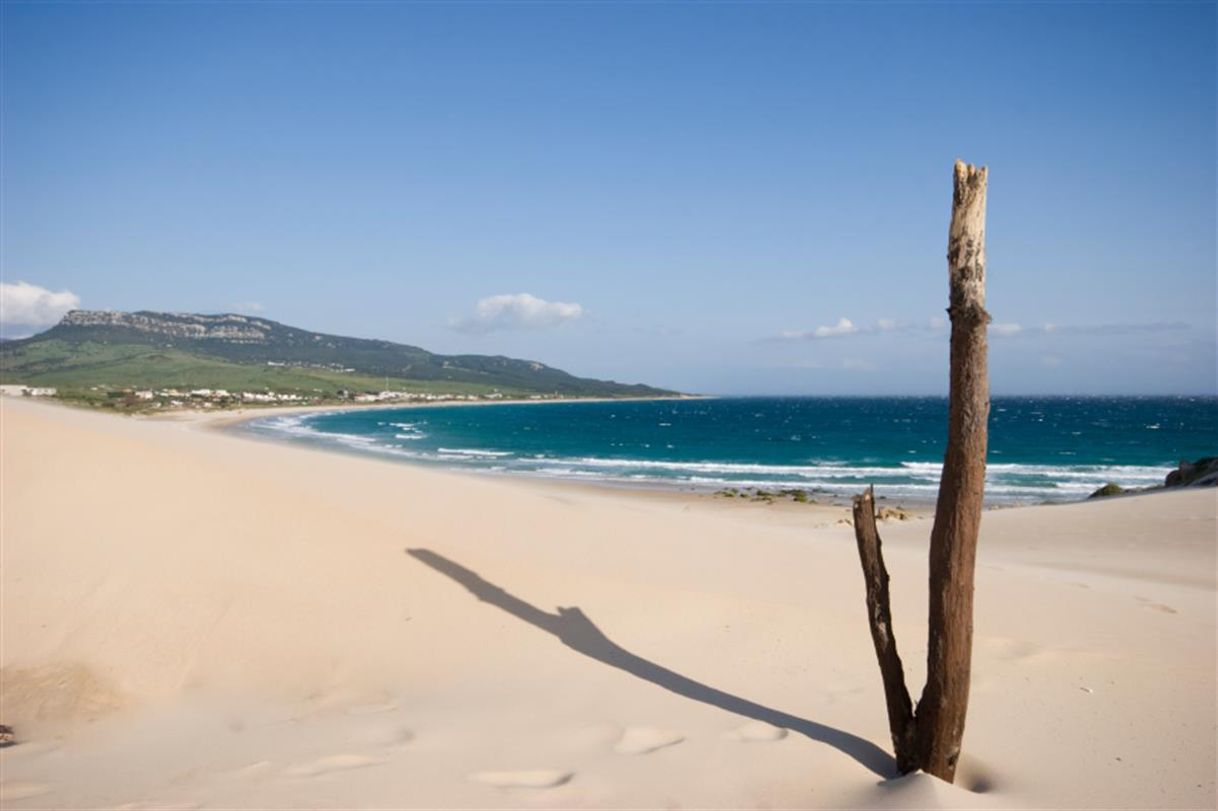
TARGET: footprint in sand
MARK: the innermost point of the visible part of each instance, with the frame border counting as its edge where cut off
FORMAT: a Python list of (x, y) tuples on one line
[(1160, 607), (641, 740), (381, 735), (333, 763), (756, 732), (250, 772), (22, 791), (529, 778), (1012, 650)]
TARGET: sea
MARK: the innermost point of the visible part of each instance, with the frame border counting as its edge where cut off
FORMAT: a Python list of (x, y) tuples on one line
[(1041, 449)]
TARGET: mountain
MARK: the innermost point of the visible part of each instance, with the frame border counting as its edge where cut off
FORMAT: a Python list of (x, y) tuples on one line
[(147, 349)]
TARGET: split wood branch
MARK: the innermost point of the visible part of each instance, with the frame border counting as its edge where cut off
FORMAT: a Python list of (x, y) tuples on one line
[(879, 614)]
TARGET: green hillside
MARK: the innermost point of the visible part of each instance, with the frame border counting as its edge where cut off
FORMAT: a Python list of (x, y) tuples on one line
[(90, 351)]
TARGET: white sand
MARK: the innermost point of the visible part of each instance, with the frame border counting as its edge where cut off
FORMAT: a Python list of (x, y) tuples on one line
[(193, 619)]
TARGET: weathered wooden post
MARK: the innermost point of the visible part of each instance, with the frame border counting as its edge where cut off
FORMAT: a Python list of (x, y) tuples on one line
[(953, 539), (930, 737)]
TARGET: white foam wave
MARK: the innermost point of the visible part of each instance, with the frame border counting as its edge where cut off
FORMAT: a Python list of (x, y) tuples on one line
[(1006, 481), (472, 452)]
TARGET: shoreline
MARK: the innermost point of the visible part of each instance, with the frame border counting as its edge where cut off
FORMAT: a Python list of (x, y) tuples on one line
[(650, 488), (230, 421), (832, 507), (829, 505), (753, 488), (233, 417)]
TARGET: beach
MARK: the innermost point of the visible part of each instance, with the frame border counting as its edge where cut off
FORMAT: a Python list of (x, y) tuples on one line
[(192, 619)]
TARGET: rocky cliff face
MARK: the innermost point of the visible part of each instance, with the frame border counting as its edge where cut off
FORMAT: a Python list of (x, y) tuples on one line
[(229, 327)]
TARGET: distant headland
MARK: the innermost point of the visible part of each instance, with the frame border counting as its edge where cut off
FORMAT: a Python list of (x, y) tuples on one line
[(143, 360)]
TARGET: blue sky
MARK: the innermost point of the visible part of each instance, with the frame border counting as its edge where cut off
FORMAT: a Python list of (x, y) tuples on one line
[(727, 198)]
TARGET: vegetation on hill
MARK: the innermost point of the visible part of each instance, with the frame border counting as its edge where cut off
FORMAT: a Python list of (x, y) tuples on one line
[(107, 351)]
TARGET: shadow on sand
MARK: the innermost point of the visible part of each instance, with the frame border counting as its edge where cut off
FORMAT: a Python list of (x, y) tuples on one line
[(578, 632)]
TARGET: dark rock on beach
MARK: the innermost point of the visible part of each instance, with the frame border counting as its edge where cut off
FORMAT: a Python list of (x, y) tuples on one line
[(1201, 473)]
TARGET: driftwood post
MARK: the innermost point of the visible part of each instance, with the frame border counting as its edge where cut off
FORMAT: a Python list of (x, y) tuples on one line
[(930, 737)]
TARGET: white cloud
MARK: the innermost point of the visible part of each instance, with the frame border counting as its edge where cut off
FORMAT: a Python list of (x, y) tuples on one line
[(1006, 329), (33, 306), (844, 326), (518, 311), (248, 307)]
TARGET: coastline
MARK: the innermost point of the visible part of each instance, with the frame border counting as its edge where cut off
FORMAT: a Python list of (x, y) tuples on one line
[(582, 448), (230, 418), (827, 509), (827, 505), (193, 619)]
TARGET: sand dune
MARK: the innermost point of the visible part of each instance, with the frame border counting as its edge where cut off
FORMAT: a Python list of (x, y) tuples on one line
[(194, 619)]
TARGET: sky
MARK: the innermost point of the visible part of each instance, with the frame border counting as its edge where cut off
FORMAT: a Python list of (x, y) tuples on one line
[(729, 198)]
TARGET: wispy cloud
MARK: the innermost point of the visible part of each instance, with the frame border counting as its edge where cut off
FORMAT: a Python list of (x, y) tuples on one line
[(1006, 329), (32, 306), (845, 327), (845, 364), (1011, 329), (1115, 329), (517, 311), (248, 307)]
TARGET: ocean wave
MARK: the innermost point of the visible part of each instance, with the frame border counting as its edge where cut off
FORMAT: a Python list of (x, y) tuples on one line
[(839, 470), (1011, 468), (1005, 482)]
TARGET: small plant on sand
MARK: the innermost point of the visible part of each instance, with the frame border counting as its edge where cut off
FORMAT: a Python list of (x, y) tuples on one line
[(1110, 489)]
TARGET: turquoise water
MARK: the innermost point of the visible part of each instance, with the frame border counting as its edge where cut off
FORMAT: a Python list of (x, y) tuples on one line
[(1041, 449)]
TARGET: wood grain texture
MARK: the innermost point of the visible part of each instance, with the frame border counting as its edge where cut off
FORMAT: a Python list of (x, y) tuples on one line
[(953, 540)]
